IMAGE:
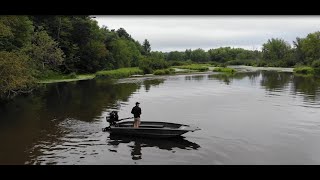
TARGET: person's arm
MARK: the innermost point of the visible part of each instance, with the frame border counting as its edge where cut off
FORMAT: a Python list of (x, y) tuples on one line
[(132, 111)]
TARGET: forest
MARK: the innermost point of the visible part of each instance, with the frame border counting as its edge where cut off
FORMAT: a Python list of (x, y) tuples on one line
[(34, 48)]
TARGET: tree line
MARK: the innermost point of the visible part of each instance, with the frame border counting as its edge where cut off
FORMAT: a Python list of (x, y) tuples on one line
[(35, 47)]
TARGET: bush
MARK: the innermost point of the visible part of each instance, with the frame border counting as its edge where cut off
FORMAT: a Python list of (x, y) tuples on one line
[(146, 69), (172, 71), (72, 75), (179, 63), (316, 64), (317, 71), (235, 62), (261, 64), (197, 67), (277, 64), (242, 62), (162, 72), (214, 63), (304, 70), (119, 73), (225, 70), (49, 74), (148, 65), (222, 65)]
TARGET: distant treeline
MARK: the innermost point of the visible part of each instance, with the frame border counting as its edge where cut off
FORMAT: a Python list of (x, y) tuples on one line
[(35, 47)]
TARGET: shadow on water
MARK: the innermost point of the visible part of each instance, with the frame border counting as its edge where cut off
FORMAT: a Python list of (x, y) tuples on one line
[(139, 143), (29, 124)]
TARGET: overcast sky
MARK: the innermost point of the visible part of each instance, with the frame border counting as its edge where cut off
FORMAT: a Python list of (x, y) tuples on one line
[(169, 33)]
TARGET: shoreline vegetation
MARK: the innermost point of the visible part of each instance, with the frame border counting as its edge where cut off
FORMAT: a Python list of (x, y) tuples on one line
[(47, 49), (135, 72)]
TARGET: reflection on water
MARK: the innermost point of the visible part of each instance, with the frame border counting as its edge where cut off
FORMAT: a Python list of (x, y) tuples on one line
[(262, 117), (275, 81), (152, 82), (194, 77), (36, 119), (138, 143)]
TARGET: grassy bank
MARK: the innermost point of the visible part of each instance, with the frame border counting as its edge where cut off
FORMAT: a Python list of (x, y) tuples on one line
[(195, 67), (304, 70), (65, 78), (119, 73), (164, 71), (112, 74), (307, 71), (224, 70)]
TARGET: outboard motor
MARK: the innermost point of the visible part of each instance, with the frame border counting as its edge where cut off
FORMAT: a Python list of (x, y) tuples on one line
[(113, 118)]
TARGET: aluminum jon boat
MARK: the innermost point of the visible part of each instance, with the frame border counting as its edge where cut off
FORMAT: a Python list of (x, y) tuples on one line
[(150, 129)]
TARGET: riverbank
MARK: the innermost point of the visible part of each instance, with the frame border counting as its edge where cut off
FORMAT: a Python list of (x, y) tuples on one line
[(66, 79), (242, 68), (113, 74), (178, 70)]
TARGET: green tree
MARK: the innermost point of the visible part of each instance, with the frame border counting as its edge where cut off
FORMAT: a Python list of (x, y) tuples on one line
[(187, 54), (15, 74), (299, 55), (199, 55), (276, 50), (94, 57), (15, 33), (123, 33), (125, 53), (157, 55), (45, 51), (310, 47), (146, 47), (175, 56)]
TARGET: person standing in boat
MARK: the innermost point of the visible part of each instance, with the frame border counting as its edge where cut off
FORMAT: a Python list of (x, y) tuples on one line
[(136, 111)]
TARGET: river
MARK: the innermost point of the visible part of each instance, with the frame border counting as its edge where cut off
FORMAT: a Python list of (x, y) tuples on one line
[(262, 117)]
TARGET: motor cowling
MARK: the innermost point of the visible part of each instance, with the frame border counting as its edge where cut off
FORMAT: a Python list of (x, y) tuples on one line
[(112, 118)]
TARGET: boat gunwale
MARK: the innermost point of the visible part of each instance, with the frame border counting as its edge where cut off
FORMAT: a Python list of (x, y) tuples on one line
[(142, 128)]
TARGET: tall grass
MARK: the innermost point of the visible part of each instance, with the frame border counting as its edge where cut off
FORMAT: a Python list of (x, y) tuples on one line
[(164, 71), (119, 73), (224, 69), (304, 70), (196, 67)]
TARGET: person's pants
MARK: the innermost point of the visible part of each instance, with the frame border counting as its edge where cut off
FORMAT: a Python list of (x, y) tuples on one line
[(136, 122)]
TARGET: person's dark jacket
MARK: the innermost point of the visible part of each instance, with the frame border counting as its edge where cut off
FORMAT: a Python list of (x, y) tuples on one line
[(136, 111)]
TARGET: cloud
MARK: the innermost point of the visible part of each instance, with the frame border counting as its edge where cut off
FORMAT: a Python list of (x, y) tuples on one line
[(167, 33)]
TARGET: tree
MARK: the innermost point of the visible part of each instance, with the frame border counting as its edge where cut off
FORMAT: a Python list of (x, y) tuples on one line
[(15, 74), (123, 33), (199, 55), (310, 47), (276, 50), (157, 55), (187, 54), (15, 33), (299, 55), (125, 53), (45, 51), (146, 47), (94, 57), (175, 56)]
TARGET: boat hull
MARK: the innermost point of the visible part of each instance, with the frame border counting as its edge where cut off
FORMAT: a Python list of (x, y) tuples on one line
[(151, 129)]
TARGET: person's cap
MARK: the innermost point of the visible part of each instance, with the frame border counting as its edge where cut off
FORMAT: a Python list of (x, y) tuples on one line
[(137, 103)]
